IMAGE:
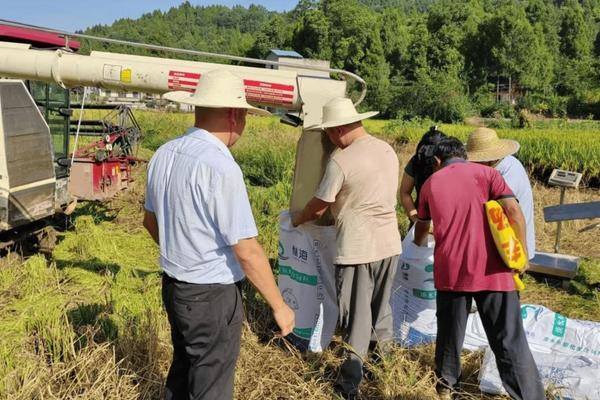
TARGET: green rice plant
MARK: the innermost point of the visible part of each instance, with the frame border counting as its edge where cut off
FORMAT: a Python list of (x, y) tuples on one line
[(264, 164), (159, 127), (34, 318), (541, 151), (267, 204)]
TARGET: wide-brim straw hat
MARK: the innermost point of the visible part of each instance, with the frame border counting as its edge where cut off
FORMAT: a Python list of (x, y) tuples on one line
[(340, 111), (484, 145), (217, 89)]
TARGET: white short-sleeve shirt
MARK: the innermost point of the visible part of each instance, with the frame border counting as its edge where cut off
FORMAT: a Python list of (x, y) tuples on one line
[(516, 177), (197, 192)]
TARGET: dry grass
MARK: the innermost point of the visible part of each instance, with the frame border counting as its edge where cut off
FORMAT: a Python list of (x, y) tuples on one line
[(572, 241), (275, 371), (94, 373)]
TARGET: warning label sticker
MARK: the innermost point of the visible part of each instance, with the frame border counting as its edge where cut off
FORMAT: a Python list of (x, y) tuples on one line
[(111, 72), (269, 93), (180, 80)]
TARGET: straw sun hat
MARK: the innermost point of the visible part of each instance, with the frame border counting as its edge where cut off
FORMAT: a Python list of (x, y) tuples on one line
[(217, 89), (340, 111), (484, 145)]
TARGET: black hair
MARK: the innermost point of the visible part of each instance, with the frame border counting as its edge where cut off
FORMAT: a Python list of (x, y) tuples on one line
[(425, 148), (423, 160), (448, 148)]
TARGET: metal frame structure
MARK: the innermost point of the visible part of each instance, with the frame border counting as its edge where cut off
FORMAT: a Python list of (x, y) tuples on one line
[(68, 35)]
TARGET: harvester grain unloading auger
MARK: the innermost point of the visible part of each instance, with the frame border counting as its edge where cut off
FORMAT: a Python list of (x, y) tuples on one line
[(297, 89)]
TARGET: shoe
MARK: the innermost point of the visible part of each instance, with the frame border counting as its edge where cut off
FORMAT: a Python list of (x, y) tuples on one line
[(444, 394), (348, 396), (343, 394)]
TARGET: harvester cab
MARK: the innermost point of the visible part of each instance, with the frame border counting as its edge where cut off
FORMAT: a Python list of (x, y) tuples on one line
[(300, 92), (40, 169)]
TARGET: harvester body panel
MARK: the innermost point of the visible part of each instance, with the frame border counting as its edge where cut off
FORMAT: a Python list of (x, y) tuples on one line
[(27, 178)]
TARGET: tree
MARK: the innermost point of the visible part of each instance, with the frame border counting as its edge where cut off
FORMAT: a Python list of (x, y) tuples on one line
[(273, 35), (577, 35), (434, 94), (356, 46), (576, 31), (311, 36), (396, 36), (510, 47)]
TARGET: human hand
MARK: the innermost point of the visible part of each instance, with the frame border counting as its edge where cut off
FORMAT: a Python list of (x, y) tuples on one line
[(285, 319), (296, 218), (525, 268)]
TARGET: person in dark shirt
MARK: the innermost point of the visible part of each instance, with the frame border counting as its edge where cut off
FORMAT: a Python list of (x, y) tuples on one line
[(417, 170)]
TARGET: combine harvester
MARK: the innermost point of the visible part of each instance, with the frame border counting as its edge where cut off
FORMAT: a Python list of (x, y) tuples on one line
[(38, 176)]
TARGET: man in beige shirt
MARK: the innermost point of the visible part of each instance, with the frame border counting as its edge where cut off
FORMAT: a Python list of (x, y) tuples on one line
[(359, 186)]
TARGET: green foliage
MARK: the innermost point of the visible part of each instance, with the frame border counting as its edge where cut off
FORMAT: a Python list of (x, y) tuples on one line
[(437, 95), (263, 165), (272, 35), (544, 146), (454, 51), (551, 105), (311, 37)]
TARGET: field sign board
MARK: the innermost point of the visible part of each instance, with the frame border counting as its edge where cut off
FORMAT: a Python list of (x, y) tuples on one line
[(566, 179), (566, 212)]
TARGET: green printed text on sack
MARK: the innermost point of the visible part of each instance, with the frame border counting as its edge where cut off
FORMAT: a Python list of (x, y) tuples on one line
[(298, 276)]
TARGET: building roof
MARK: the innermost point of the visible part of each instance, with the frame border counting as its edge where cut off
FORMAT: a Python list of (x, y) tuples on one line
[(286, 53), (34, 37)]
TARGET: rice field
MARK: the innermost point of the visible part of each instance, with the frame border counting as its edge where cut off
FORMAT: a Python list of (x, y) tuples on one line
[(87, 323), (573, 148)]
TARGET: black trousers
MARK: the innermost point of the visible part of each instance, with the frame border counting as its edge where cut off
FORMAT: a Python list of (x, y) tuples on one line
[(206, 324), (500, 314)]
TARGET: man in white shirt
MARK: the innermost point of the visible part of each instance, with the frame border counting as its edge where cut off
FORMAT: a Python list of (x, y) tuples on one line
[(197, 210), (485, 147)]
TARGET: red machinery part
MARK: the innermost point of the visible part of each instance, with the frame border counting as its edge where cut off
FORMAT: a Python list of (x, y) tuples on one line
[(36, 38), (91, 180)]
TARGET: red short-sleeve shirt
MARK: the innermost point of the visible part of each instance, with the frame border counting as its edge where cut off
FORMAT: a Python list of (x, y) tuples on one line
[(466, 259)]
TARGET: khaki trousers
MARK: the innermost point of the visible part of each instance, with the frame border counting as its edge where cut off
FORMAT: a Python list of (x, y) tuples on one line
[(364, 292)]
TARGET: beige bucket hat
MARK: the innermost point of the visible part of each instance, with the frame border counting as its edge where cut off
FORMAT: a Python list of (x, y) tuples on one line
[(340, 111), (217, 89), (484, 145)]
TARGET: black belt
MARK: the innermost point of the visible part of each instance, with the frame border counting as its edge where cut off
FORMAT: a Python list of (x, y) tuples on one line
[(169, 279)]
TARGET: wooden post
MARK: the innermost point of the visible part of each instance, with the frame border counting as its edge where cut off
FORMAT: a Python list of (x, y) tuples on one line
[(497, 88), (559, 226)]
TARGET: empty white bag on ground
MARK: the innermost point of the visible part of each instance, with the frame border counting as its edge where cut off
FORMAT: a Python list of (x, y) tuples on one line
[(307, 281), (547, 332), (574, 377), (413, 294)]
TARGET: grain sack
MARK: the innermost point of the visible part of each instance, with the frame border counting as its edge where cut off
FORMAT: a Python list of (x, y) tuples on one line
[(413, 294), (547, 332), (574, 376), (307, 281)]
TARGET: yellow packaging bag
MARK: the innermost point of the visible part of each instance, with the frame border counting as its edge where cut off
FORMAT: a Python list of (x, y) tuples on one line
[(509, 247)]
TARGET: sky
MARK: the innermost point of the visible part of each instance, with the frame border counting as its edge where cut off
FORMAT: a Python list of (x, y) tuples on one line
[(71, 15)]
